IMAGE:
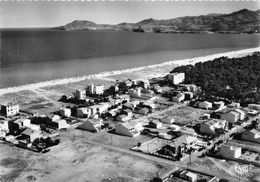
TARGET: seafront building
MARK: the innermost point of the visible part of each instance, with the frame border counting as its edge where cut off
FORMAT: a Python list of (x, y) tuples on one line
[(9, 110), (176, 78), (95, 89), (80, 94)]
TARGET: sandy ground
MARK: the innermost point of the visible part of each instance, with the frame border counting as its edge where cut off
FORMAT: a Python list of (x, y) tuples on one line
[(76, 160)]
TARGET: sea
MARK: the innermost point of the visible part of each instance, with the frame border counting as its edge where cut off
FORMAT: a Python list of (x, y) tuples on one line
[(34, 55)]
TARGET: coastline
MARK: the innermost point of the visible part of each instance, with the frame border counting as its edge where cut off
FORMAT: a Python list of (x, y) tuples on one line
[(104, 75)]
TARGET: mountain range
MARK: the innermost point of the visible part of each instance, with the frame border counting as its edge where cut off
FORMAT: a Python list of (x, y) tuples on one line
[(244, 20)]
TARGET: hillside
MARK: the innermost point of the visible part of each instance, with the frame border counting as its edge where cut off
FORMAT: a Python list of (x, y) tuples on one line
[(240, 21)]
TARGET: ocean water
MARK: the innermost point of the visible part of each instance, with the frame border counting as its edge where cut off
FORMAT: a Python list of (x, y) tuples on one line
[(33, 55)]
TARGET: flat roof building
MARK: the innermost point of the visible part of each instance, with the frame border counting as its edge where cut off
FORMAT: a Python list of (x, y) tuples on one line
[(10, 110), (176, 78)]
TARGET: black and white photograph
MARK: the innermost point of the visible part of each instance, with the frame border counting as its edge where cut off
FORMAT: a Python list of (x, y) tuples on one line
[(129, 91)]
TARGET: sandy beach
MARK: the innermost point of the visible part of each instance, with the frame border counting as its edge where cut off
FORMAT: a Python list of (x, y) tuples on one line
[(106, 75)]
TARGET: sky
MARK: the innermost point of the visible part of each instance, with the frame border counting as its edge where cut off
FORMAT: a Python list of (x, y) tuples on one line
[(18, 14)]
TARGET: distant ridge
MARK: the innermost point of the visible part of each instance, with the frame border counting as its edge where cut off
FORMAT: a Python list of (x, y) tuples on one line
[(242, 21)]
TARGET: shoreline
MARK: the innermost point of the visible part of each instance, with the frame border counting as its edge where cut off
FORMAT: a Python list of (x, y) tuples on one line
[(103, 75)]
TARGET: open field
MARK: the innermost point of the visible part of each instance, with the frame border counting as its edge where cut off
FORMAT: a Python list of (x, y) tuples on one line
[(186, 115), (76, 160)]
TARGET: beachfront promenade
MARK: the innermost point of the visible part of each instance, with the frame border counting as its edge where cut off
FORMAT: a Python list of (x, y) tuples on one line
[(103, 75)]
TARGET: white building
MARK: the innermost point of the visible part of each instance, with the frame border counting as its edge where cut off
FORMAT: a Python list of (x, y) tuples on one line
[(233, 105), (189, 176), (94, 109), (4, 128), (23, 122), (123, 118), (211, 126), (230, 152), (231, 116), (188, 95), (135, 92), (128, 129), (242, 114), (219, 104), (60, 124), (178, 98), (251, 135), (155, 124), (254, 106), (92, 125), (9, 110), (54, 117), (103, 106), (176, 78), (83, 112), (65, 112), (167, 120), (95, 89), (205, 105), (80, 94)]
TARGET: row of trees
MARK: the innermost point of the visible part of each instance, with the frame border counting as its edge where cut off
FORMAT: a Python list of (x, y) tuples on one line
[(232, 78)]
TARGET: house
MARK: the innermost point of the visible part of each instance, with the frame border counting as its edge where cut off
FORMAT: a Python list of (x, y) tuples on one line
[(147, 91), (94, 109), (213, 126), (4, 128), (218, 104), (123, 118), (31, 134), (92, 125), (102, 107), (179, 146), (95, 89), (127, 112), (167, 120), (251, 135), (114, 88), (22, 122), (242, 114), (131, 129), (124, 98), (233, 105), (254, 106), (83, 112), (189, 87), (155, 124), (9, 110), (125, 84), (230, 116), (143, 111), (188, 95), (59, 124), (205, 105), (178, 98), (144, 83), (189, 176), (65, 112), (157, 89), (135, 92), (80, 94), (176, 78), (54, 117), (230, 152)]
